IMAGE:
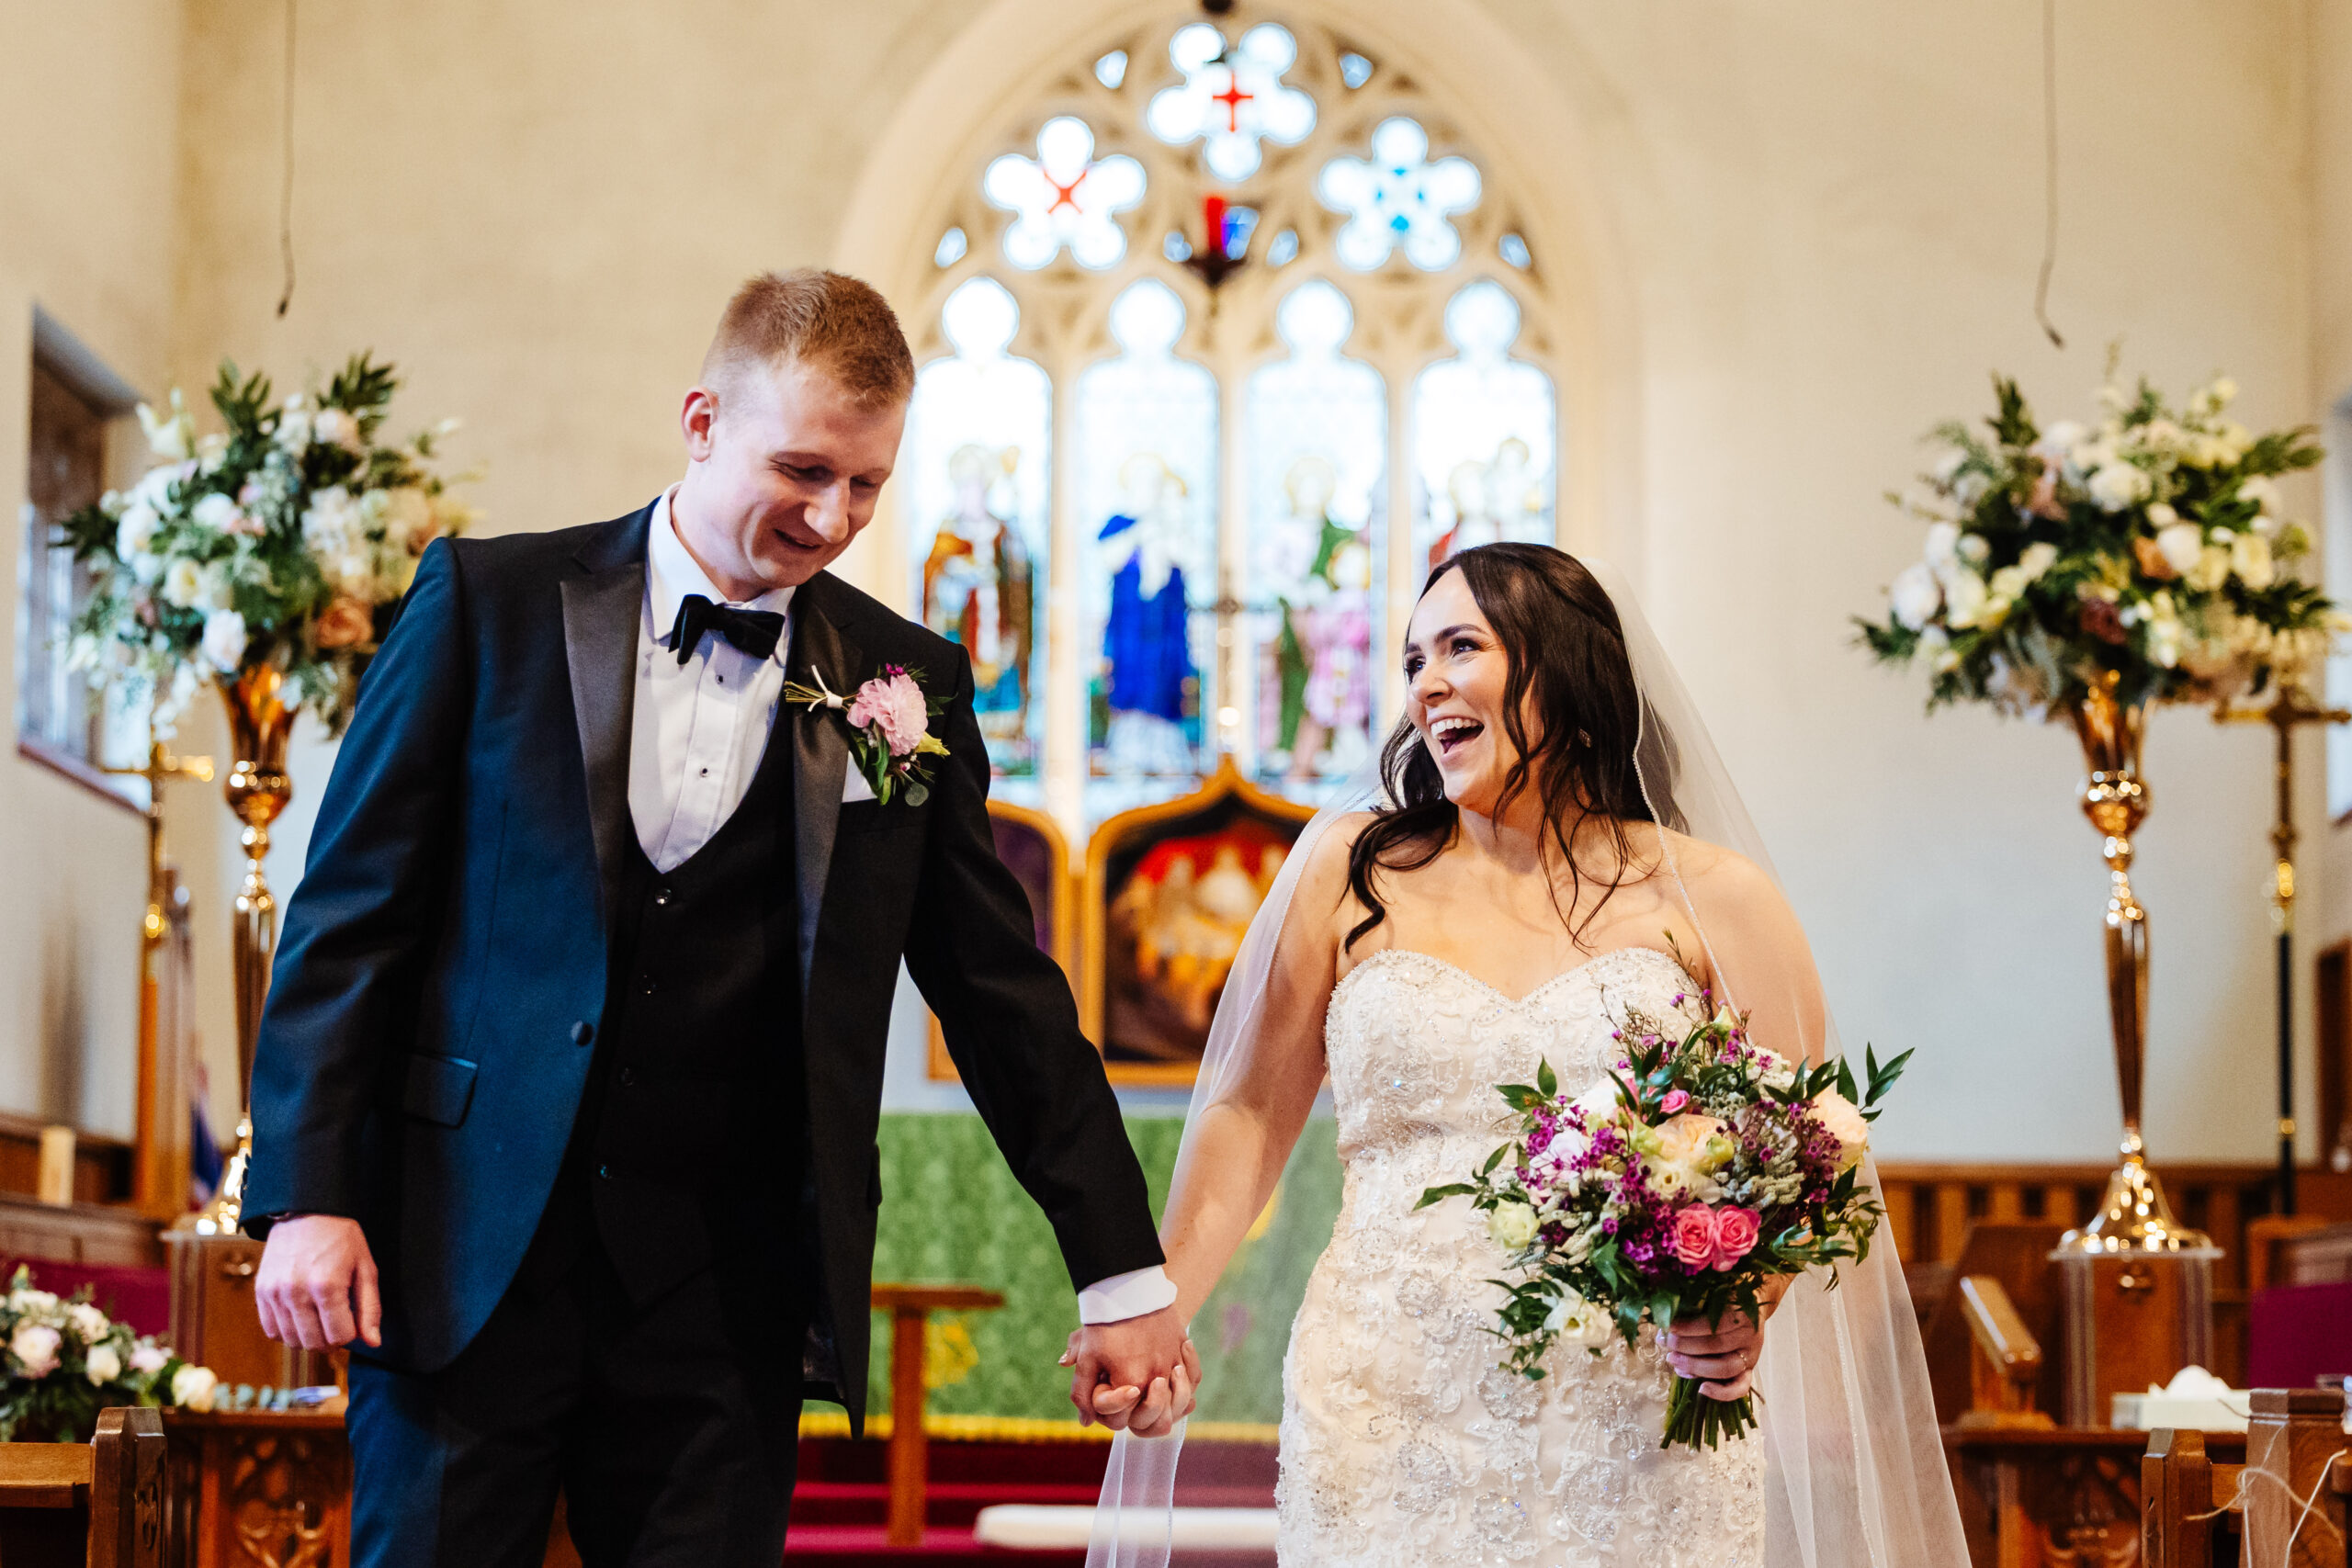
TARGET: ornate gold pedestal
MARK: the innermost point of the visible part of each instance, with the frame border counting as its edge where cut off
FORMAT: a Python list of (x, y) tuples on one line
[(257, 789), (2133, 1217)]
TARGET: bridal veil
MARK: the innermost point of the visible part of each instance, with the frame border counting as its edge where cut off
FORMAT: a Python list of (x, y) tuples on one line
[(1855, 1474)]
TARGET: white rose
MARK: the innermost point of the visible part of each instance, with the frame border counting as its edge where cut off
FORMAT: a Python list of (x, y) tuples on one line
[(192, 1388), (166, 437), (1967, 599), (294, 428), (224, 640), (2063, 437), (2116, 485), (1839, 1118), (2038, 559), (333, 427), (153, 488), (147, 568), (1974, 550), (183, 582), (1943, 549), (2161, 514), (1915, 595), (2250, 559), (2213, 569), (2181, 543), (35, 1346), (215, 511), (90, 1325), (104, 1365), (1511, 1225), (135, 535), (148, 1359)]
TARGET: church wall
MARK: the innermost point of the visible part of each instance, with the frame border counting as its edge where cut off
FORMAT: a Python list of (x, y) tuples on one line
[(1815, 231), (88, 114)]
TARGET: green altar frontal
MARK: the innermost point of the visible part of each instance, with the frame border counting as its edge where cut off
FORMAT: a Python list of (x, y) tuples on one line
[(950, 1210)]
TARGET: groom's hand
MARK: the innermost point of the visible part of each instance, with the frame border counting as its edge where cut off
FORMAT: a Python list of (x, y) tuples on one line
[(1136, 1375), (316, 1287)]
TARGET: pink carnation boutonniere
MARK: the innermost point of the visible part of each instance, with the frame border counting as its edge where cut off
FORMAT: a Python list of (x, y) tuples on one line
[(889, 729)]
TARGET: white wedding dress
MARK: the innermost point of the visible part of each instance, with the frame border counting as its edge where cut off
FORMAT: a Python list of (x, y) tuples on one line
[(1403, 1442)]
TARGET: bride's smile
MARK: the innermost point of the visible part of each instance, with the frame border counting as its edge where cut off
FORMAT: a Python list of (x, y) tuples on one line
[(1458, 675)]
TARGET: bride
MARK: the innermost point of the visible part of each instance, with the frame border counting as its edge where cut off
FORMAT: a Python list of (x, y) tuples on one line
[(1553, 849)]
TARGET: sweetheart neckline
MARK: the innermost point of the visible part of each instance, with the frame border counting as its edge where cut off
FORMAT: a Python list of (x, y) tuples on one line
[(1505, 997)]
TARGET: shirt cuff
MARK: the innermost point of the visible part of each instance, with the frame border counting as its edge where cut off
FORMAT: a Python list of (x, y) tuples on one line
[(1123, 1296)]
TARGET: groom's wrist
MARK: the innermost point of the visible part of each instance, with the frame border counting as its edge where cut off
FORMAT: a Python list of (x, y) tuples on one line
[(1137, 1294)]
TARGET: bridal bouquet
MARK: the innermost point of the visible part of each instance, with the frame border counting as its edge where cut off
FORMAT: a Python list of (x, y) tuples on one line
[(284, 539), (63, 1360), (2148, 550), (1698, 1169)]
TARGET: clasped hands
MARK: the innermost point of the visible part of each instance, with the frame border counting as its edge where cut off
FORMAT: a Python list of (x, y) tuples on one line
[(1136, 1376), (1723, 1356)]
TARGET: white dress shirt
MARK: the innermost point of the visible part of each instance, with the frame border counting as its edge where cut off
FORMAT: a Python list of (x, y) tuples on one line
[(697, 734)]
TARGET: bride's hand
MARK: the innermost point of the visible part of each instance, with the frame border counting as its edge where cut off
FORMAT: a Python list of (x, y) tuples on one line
[(1723, 1356)]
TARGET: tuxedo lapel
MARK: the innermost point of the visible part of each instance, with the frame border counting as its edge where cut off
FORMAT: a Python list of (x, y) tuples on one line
[(820, 753), (601, 609)]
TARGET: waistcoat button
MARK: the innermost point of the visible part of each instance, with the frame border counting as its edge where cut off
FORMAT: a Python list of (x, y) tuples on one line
[(628, 1075), (582, 1032), (603, 1173), (661, 897)]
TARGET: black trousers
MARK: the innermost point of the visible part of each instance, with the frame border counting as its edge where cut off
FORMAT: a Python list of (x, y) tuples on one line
[(671, 1428)]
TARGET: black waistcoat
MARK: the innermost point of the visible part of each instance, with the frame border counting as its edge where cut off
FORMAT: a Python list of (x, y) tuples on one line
[(694, 1130)]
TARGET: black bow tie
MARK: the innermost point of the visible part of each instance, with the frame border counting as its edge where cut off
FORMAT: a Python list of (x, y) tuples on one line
[(754, 632)]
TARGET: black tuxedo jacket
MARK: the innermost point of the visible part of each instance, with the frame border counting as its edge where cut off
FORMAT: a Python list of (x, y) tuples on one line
[(442, 976)]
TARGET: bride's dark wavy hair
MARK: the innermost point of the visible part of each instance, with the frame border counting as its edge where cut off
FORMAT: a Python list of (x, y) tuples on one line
[(1570, 671)]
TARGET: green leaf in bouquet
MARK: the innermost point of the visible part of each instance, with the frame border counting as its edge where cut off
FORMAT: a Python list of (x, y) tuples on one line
[(1846, 1082), (1439, 1194), (1546, 1081), (1520, 1095), (1883, 1075), (1494, 1160)]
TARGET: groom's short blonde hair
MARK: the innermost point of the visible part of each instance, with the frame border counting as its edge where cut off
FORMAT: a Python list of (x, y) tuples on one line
[(826, 320)]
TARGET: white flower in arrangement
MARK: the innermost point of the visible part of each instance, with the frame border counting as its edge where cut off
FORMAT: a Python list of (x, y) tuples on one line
[(1511, 1226), (224, 640), (2261, 490), (335, 427), (2116, 485), (1967, 599), (2167, 639), (1915, 595), (2181, 545), (215, 511), (89, 1324), (104, 1366), (2037, 560), (2211, 570), (1943, 549), (407, 516), (35, 1346), (294, 425), (2060, 438), (1936, 643), (154, 489), (148, 1359), (1578, 1321), (211, 451), (167, 437), (183, 583), (192, 1388), (2250, 559), (134, 535)]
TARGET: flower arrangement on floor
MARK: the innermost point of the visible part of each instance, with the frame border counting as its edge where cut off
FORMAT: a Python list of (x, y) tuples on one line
[(282, 541), (65, 1361), (2146, 554), (1704, 1166)]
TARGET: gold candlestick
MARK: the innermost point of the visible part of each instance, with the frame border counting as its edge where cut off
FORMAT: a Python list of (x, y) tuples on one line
[(257, 790), (2133, 1217)]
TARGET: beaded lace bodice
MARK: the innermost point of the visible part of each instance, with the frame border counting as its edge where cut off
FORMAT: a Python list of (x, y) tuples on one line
[(1403, 1442)]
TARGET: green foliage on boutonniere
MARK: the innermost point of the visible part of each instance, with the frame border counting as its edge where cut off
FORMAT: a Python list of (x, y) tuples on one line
[(889, 729)]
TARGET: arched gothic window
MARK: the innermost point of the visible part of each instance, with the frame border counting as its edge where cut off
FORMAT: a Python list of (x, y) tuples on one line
[(1231, 338)]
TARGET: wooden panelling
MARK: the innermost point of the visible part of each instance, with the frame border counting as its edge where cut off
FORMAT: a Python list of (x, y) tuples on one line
[(84, 1233), (102, 1165)]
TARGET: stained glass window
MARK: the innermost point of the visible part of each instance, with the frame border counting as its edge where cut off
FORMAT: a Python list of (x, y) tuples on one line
[(1231, 97), (1397, 200), (977, 476), (1318, 448), (1484, 433), (1146, 499), (1065, 195)]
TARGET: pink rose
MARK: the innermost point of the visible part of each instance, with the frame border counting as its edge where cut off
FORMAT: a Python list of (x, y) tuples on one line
[(894, 702), (1694, 1235), (35, 1349), (1735, 1234), (1674, 1101), (344, 623)]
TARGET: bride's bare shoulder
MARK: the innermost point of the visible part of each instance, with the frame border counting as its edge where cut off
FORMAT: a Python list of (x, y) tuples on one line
[(1719, 868)]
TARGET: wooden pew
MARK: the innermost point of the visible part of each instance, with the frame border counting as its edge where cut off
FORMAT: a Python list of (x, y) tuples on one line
[(104, 1502), (2197, 1513)]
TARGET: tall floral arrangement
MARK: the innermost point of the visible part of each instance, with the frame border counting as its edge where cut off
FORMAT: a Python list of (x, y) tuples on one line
[(63, 1360), (285, 538), (2150, 548)]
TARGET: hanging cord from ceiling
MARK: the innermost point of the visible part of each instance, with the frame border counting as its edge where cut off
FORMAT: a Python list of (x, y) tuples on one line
[(285, 182), (2050, 168)]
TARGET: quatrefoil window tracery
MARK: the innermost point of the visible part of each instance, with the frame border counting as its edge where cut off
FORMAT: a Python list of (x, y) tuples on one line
[(1064, 196), (1398, 199), (1231, 99)]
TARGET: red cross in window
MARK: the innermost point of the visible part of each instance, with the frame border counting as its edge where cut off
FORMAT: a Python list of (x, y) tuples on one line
[(1233, 97), (1064, 195)]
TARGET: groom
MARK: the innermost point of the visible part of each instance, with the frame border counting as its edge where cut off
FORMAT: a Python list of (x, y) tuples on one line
[(565, 1100)]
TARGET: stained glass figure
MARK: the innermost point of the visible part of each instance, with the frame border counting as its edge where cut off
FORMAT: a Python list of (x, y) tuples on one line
[(1485, 434), (1316, 438), (1146, 495), (977, 435), (1232, 97), (1398, 198), (1065, 195)]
